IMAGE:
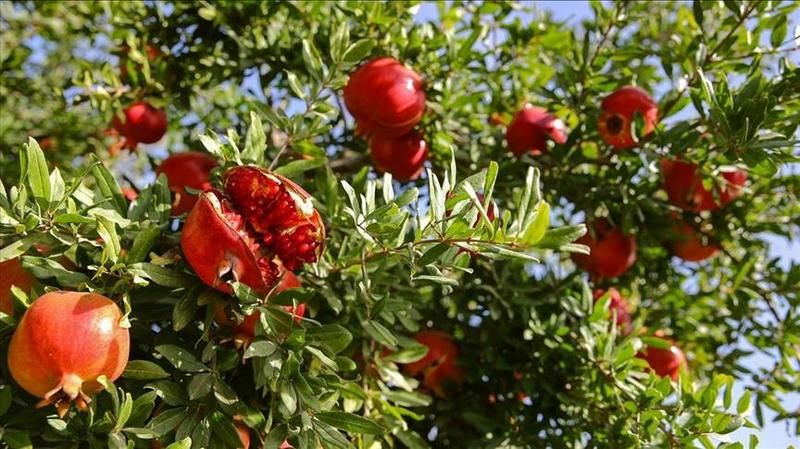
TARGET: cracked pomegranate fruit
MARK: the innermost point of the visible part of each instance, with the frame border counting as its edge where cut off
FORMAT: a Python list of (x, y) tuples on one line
[(617, 304), (404, 157), (63, 343), (440, 365), (618, 110), (260, 225), (13, 275), (189, 169), (385, 97), (612, 253), (530, 129), (143, 124), (245, 332), (684, 185), (689, 244), (664, 362)]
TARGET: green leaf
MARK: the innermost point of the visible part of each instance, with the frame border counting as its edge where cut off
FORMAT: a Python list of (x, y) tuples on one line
[(181, 358), (557, 237), (37, 174), (538, 227), (255, 142), (185, 443), (743, 405), (109, 188), (167, 420), (184, 311), (697, 10), (350, 423), (380, 333), (160, 275), (296, 168), (5, 398), (143, 370), (142, 244), (312, 59), (222, 427), (759, 162), (199, 386), (358, 50), (407, 355), (295, 86), (45, 269), (779, 31), (334, 337), (124, 412)]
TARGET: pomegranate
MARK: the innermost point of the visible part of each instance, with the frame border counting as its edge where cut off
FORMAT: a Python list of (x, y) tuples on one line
[(13, 275), (612, 252), (664, 362), (618, 305), (143, 124), (63, 343), (245, 332), (440, 364), (618, 110), (689, 244), (260, 225), (189, 169), (684, 186), (403, 157), (530, 129), (385, 97)]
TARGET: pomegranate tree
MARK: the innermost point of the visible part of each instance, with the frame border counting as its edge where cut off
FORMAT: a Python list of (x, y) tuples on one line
[(188, 169), (64, 370), (259, 225)]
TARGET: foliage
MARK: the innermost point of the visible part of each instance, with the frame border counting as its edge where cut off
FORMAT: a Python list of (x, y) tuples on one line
[(402, 257)]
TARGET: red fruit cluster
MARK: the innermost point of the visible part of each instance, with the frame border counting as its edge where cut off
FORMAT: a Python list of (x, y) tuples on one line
[(440, 365), (245, 332), (142, 123), (13, 275), (531, 128), (684, 185), (612, 252), (387, 101), (62, 370), (618, 110), (189, 169), (261, 225)]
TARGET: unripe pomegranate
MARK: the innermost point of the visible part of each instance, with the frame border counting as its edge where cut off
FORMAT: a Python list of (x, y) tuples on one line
[(189, 169), (385, 97), (684, 185), (245, 332), (618, 305), (12, 274), (664, 362), (618, 110), (404, 157), (260, 225), (530, 129), (612, 253), (143, 124), (440, 364), (63, 343), (690, 245)]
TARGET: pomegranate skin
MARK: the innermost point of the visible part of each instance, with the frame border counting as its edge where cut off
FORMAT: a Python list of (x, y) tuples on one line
[(143, 124), (63, 343), (189, 169), (530, 129), (403, 157), (619, 305), (688, 244), (385, 97), (261, 225), (665, 362), (440, 364), (617, 115), (612, 253), (13, 274), (684, 186)]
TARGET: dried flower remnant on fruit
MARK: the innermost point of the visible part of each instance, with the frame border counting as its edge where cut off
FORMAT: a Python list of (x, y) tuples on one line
[(618, 112)]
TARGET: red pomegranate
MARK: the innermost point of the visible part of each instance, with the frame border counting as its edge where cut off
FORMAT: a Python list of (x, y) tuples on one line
[(664, 362), (440, 364), (404, 157), (530, 129), (684, 185), (245, 332), (618, 110), (63, 343), (612, 253), (689, 244), (385, 97), (13, 275), (617, 305), (260, 225), (189, 169), (143, 124)]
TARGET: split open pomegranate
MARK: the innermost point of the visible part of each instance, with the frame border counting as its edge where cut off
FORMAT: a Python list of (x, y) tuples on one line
[(64, 342), (260, 225)]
